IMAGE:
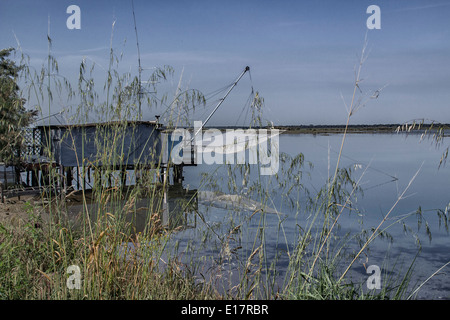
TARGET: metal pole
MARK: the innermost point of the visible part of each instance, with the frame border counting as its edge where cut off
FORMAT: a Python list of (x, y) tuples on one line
[(221, 101)]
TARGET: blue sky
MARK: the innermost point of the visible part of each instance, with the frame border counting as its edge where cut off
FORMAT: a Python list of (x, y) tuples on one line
[(302, 54)]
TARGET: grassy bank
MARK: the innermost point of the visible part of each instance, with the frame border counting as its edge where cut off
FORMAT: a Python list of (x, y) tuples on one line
[(37, 251)]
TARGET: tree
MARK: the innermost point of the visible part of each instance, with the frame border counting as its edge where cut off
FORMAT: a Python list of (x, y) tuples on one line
[(13, 115)]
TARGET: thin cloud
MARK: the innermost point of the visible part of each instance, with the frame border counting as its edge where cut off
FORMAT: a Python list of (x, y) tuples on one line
[(288, 24), (190, 57), (94, 49), (428, 6)]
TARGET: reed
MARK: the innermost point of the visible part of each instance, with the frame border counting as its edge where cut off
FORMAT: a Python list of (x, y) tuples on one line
[(119, 261)]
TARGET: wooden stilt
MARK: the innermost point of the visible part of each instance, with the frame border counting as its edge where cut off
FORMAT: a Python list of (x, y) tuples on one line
[(62, 182), (123, 178), (34, 177), (3, 184), (178, 173), (69, 177), (78, 178), (1, 192), (84, 178)]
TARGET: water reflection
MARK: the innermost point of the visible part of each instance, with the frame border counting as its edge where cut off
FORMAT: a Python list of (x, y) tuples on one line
[(384, 165), (179, 208), (174, 206)]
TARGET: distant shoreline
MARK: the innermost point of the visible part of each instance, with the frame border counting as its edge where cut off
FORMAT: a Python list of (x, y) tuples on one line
[(331, 129)]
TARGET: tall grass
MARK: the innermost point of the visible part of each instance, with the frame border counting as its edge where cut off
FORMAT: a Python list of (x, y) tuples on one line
[(119, 260)]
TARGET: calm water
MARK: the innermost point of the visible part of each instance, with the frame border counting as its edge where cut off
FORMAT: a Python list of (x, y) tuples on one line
[(385, 165)]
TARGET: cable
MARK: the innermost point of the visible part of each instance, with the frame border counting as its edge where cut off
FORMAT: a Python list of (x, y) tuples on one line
[(247, 107)]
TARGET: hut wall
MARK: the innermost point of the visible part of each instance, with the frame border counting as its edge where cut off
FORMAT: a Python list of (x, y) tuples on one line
[(106, 144)]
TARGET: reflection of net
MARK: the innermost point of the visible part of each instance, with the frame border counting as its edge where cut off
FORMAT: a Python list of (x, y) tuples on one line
[(233, 202), (239, 145)]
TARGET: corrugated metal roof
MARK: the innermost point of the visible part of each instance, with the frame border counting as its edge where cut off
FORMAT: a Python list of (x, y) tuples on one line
[(93, 124)]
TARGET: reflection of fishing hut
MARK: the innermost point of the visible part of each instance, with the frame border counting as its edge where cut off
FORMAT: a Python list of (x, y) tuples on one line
[(178, 203)]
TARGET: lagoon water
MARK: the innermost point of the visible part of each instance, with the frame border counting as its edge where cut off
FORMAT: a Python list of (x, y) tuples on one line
[(383, 164)]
